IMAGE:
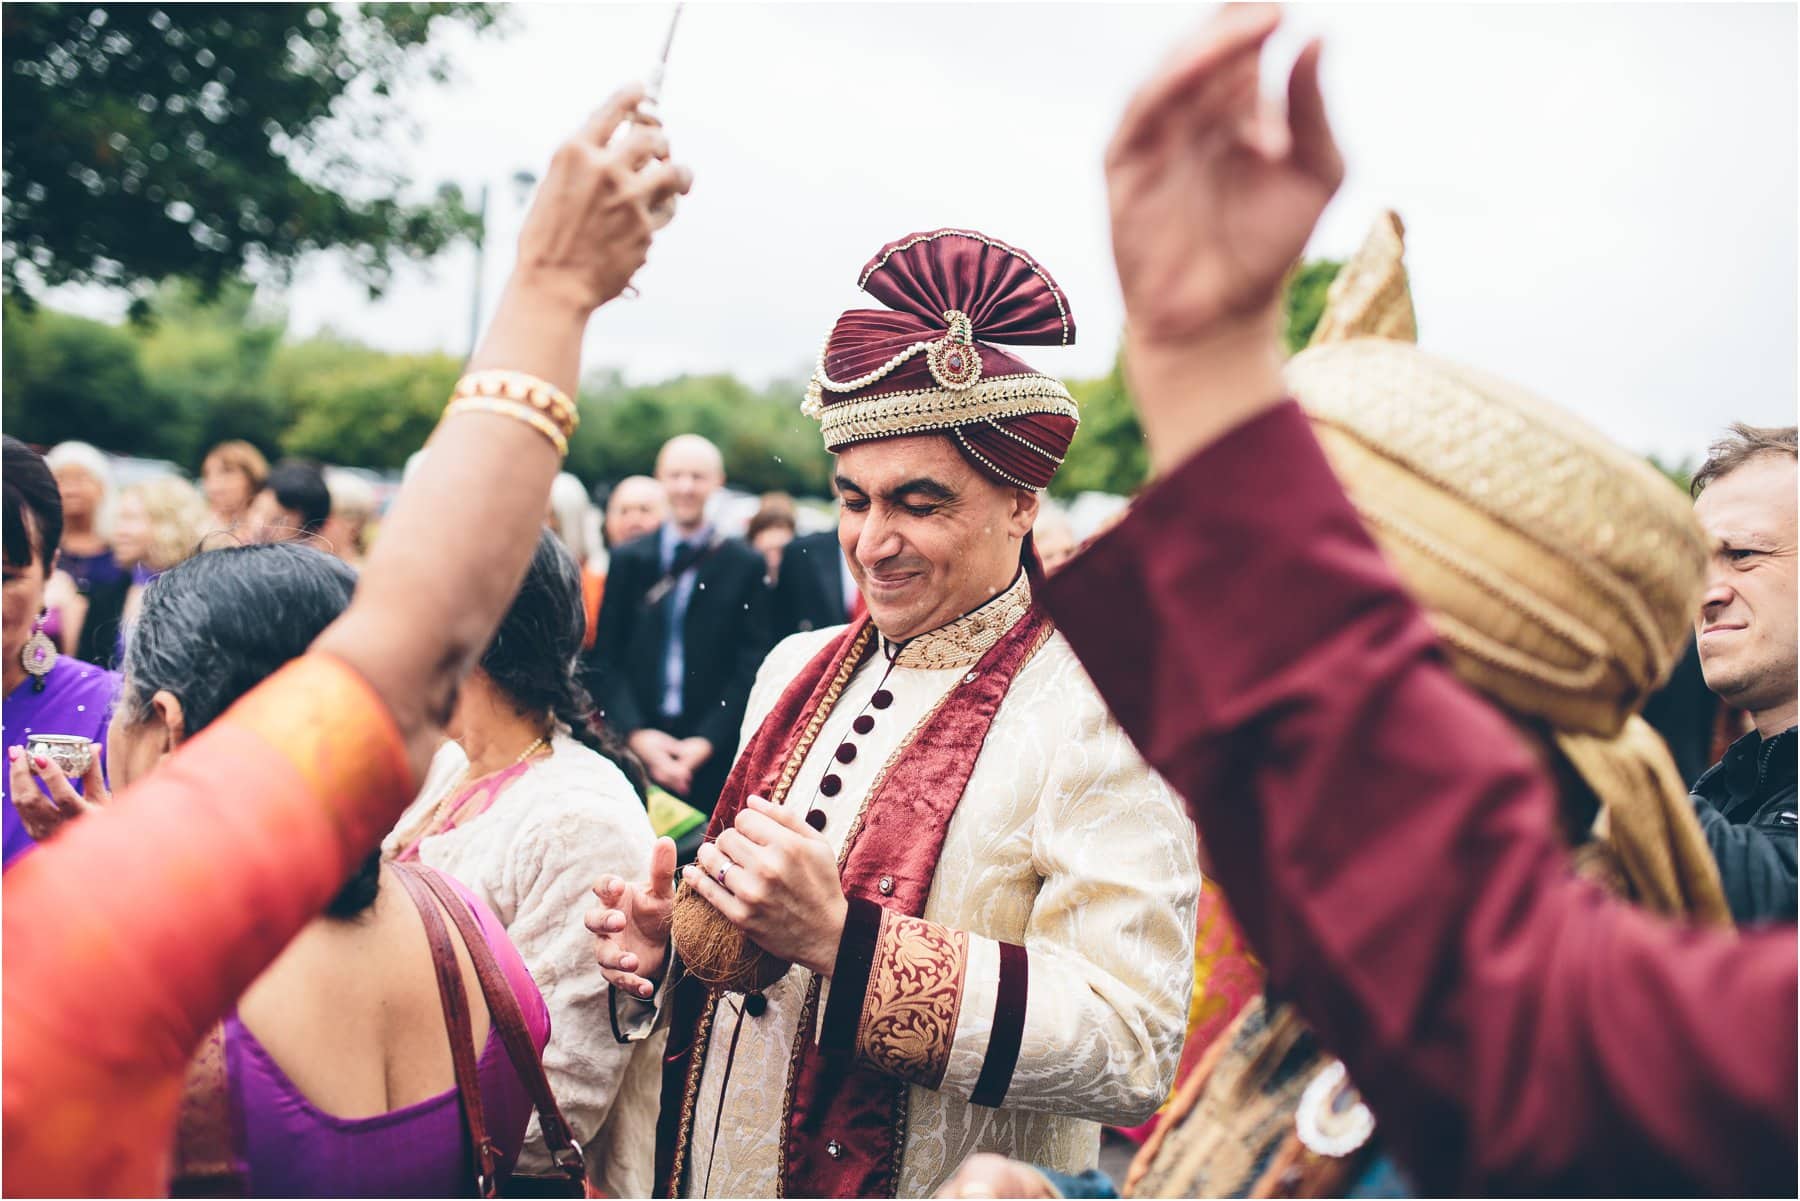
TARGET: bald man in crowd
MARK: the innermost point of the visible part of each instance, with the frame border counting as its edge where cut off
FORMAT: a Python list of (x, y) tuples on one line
[(683, 627), (636, 506)]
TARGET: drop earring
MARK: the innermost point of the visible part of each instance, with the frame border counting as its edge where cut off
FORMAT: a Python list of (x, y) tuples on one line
[(38, 655)]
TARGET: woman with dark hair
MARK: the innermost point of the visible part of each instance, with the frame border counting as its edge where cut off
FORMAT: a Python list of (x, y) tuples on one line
[(294, 503), (130, 936), (529, 803), (45, 692), (340, 1074), (771, 528)]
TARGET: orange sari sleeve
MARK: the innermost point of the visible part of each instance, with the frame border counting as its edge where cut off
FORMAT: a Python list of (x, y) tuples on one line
[(133, 932)]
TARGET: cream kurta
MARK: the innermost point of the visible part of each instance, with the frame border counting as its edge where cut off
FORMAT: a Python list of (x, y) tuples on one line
[(531, 858), (1064, 842)]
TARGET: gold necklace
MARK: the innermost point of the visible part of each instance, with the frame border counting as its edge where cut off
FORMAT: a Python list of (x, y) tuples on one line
[(444, 810)]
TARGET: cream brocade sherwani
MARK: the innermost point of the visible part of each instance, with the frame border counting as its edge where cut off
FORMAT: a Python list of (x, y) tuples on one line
[(1064, 842)]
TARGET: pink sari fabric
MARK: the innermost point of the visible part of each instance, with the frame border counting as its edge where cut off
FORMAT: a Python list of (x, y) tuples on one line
[(475, 799)]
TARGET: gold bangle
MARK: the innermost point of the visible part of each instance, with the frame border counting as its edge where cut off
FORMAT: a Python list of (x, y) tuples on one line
[(516, 410), (541, 395), (565, 420), (557, 410)]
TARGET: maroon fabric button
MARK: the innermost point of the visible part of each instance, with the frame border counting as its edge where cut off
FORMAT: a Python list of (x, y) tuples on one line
[(882, 698), (863, 724), (846, 752), (831, 785), (816, 819)]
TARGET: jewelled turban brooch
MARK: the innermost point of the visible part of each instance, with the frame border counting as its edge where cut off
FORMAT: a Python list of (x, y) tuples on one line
[(931, 360)]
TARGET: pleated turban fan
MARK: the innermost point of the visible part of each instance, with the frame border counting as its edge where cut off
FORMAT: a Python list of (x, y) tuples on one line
[(1560, 572), (931, 361)]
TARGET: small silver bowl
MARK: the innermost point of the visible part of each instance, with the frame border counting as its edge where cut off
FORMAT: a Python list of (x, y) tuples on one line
[(71, 752)]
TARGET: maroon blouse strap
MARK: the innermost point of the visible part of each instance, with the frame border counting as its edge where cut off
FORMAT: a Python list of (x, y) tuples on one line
[(509, 1020), (456, 1020)]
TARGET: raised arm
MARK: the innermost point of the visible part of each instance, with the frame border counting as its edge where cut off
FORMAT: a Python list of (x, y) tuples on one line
[(1387, 841), (126, 939), (457, 544)]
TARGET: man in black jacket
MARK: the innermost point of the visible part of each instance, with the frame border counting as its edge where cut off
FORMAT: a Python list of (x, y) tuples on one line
[(814, 590), (683, 626), (1749, 651)]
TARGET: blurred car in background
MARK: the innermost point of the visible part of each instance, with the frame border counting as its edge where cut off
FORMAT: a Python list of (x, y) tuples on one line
[(129, 469)]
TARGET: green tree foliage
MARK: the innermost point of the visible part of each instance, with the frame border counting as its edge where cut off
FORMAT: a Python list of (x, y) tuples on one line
[(1303, 300), (196, 371), (208, 363), (1680, 472), (359, 406), (148, 141), (767, 442), (68, 377), (186, 376), (1108, 452)]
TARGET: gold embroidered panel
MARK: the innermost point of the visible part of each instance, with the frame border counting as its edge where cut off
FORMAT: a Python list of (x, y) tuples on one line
[(970, 636), (915, 993)]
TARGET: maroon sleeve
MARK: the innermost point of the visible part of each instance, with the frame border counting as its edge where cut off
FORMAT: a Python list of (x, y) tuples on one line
[(1388, 843)]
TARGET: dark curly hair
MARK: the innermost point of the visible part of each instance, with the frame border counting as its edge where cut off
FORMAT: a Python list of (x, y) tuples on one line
[(533, 659)]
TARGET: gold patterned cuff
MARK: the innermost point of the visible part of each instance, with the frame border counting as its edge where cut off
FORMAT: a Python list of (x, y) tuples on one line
[(913, 998)]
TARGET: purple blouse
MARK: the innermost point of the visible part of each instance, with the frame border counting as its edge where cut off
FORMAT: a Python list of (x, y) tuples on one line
[(89, 570), (292, 1148), (77, 699)]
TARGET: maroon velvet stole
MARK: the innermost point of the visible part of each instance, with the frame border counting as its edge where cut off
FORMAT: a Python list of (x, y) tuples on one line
[(900, 833)]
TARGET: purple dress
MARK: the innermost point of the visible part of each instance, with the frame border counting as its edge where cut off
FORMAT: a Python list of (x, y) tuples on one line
[(294, 1149), (77, 699), (89, 570)]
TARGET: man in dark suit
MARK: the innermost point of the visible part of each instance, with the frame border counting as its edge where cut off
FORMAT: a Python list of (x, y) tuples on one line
[(683, 627), (814, 589)]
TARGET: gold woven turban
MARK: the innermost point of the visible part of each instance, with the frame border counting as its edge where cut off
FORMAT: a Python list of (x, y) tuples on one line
[(1560, 572)]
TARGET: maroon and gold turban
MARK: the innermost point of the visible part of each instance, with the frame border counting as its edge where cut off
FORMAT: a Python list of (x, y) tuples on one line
[(931, 361)]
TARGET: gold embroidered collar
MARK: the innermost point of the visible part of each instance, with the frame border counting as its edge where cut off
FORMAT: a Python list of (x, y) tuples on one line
[(966, 639)]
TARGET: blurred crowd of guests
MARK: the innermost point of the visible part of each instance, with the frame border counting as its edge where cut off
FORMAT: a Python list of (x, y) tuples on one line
[(669, 651)]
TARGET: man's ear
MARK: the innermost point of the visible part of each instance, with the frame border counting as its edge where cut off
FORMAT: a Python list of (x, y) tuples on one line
[(1025, 511), (168, 715)]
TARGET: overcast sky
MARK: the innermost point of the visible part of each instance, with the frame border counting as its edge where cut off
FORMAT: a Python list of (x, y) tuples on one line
[(1600, 201)]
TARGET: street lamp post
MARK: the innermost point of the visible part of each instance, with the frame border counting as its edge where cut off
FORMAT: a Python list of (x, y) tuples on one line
[(523, 181)]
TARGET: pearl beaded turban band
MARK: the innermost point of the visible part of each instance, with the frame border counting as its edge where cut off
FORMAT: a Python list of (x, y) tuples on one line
[(931, 362)]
